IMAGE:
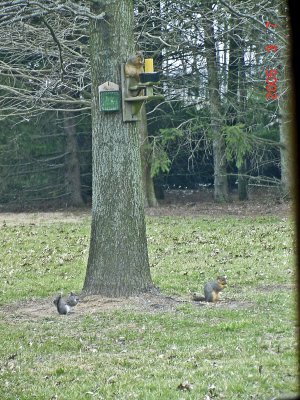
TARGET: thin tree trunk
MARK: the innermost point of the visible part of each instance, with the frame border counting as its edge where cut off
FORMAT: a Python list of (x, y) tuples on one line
[(284, 108), (72, 161), (243, 180), (220, 173), (118, 259), (148, 186), (236, 95), (153, 50), (284, 130)]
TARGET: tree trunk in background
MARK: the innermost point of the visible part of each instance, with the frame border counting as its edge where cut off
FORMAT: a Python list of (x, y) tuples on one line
[(220, 173), (146, 152), (233, 77), (153, 50), (232, 83), (72, 161), (237, 94), (118, 258), (243, 180), (284, 129), (284, 94)]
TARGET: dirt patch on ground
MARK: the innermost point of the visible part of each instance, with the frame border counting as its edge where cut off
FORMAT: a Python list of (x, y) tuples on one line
[(41, 308), (36, 218), (147, 302), (263, 201), (209, 209), (274, 288)]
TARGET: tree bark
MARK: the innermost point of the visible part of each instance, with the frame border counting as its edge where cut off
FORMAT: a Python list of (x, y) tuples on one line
[(118, 258), (284, 129), (243, 180), (148, 186), (73, 184), (153, 50), (237, 94), (284, 112), (220, 173)]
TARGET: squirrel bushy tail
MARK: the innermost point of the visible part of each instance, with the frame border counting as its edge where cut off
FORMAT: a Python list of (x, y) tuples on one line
[(62, 307)]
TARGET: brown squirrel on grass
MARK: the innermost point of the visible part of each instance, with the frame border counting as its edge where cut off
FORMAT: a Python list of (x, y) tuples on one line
[(212, 290), (134, 65)]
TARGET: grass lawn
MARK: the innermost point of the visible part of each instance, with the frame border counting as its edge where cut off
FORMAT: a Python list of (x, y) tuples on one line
[(242, 348)]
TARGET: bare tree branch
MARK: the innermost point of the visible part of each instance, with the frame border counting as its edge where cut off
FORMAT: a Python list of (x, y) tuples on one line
[(259, 23), (22, 10)]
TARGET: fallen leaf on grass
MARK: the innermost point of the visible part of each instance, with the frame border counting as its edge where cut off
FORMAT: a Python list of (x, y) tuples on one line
[(212, 392)]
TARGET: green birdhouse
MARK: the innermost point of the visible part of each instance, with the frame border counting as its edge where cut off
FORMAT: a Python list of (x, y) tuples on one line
[(109, 97)]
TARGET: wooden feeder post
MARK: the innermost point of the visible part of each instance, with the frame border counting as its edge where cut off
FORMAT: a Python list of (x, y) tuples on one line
[(135, 92)]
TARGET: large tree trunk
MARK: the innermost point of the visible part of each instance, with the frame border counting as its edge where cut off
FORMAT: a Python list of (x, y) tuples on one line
[(72, 161), (118, 258), (220, 173)]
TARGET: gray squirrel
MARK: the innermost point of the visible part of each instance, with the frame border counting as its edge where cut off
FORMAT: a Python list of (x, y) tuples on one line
[(65, 307), (73, 299)]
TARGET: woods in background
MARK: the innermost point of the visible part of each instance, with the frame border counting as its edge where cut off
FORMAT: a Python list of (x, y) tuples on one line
[(216, 126)]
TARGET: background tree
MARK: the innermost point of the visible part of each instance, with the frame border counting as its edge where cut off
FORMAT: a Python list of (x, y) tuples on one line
[(284, 99), (146, 159), (260, 14), (73, 181), (148, 22), (220, 173), (236, 103), (43, 70)]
